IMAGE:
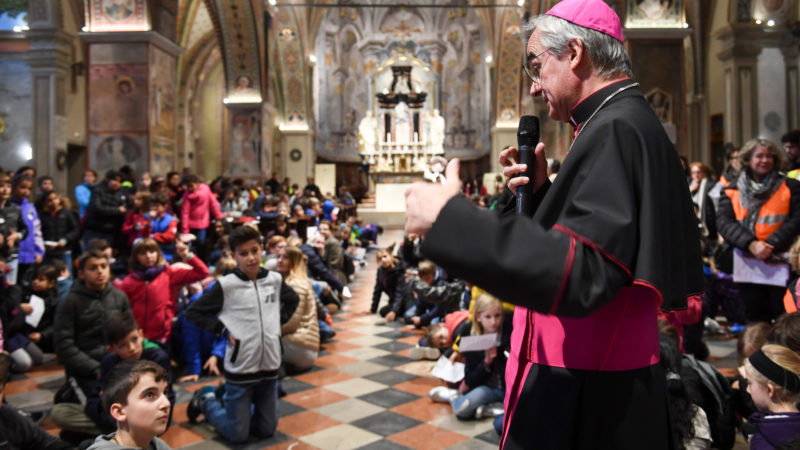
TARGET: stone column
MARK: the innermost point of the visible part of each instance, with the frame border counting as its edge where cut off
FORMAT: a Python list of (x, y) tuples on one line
[(750, 53), (49, 60), (131, 101)]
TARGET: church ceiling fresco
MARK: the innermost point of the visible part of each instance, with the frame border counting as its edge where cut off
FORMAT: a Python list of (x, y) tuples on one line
[(201, 25), (453, 43)]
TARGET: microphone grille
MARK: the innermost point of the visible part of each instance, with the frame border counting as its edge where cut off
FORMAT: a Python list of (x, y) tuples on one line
[(528, 131)]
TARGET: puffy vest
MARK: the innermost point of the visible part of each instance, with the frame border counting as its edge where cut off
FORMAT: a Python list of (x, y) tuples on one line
[(773, 212)]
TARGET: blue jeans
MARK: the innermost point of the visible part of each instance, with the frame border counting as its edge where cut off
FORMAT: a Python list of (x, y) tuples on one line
[(325, 331), (234, 421), (410, 312), (200, 234), (464, 406)]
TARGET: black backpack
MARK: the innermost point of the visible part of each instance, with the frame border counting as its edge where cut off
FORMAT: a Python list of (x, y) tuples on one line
[(714, 395)]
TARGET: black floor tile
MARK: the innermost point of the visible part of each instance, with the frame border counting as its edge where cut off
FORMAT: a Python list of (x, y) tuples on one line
[(393, 346), (390, 377), (388, 398), (390, 360), (395, 334), (383, 444), (292, 386), (490, 437), (287, 409), (386, 423)]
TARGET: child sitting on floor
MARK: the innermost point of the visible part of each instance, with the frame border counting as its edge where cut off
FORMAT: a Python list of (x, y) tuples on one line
[(135, 394), (484, 371), (773, 381), (124, 343)]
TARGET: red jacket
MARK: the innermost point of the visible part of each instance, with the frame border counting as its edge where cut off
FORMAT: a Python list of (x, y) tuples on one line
[(154, 303), (197, 208), (129, 227)]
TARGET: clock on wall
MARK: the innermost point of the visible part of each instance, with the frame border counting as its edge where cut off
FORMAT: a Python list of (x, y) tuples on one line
[(295, 154)]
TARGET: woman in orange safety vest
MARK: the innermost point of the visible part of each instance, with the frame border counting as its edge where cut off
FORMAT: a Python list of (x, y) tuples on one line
[(760, 215)]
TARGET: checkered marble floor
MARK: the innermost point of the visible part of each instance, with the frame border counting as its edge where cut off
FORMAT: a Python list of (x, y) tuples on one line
[(363, 392)]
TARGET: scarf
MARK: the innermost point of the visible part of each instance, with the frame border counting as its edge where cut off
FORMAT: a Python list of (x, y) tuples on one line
[(753, 194), (148, 273)]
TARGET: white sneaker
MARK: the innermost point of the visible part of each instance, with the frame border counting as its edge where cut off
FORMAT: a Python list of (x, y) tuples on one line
[(346, 292), (489, 410), (442, 394)]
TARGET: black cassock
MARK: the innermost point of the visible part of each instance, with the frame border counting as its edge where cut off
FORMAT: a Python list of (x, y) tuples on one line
[(613, 239)]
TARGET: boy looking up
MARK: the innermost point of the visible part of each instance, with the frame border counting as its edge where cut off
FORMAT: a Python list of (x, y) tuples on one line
[(80, 316), (251, 303), (125, 343), (134, 393)]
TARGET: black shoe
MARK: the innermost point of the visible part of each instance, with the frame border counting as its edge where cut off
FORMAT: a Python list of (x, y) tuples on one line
[(195, 407)]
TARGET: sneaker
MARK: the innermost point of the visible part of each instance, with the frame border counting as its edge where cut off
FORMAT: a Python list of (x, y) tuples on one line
[(489, 410), (442, 394), (736, 328), (195, 407), (346, 292)]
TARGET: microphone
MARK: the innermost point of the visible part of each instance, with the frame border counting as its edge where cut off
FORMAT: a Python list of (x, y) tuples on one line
[(527, 138)]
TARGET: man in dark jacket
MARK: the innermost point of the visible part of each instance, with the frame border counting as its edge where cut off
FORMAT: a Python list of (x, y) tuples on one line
[(80, 316), (106, 210)]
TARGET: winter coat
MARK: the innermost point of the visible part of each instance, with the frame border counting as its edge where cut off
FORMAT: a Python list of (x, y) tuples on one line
[(103, 215), (317, 269), (334, 258), (154, 302), (253, 312), (12, 318), (197, 207), (33, 244), (198, 344), (302, 329), (164, 230), (83, 193), (80, 317), (129, 226), (11, 220), (770, 430), (60, 225), (392, 282)]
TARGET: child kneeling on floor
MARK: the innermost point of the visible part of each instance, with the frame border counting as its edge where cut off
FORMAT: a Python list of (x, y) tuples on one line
[(251, 303), (135, 394), (484, 371)]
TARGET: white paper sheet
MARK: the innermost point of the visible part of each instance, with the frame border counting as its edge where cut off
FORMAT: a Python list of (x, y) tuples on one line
[(747, 269), (478, 343), (37, 303), (447, 371)]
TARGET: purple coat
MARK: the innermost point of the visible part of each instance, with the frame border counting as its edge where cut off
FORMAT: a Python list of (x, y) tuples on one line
[(773, 429)]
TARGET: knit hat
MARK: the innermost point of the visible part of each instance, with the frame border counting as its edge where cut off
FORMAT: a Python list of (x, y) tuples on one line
[(592, 14)]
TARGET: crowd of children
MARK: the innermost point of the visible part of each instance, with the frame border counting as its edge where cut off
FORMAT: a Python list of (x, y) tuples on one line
[(122, 293)]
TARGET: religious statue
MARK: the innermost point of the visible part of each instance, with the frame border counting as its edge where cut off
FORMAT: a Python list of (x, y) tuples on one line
[(437, 132), (434, 174), (366, 131)]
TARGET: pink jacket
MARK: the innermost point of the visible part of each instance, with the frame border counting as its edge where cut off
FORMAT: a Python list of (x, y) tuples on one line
[(197, 208)]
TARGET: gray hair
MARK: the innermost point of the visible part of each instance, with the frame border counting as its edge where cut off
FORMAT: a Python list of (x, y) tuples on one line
[(607, 54)]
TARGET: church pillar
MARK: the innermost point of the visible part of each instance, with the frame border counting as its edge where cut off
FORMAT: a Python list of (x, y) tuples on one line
[(792, 56), (49, 61), (296, 155), (758, 81), (131, 100)]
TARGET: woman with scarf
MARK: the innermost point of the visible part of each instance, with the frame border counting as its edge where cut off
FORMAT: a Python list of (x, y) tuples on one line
[(152, 286), (759, 215)]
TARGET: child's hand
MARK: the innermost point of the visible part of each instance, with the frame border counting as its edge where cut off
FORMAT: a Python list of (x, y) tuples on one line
[(211, 365), (35, 336), (195, 288), (416, 321), (26, 308), (12, 239), (391, 316), (231, 340), (491, 354), (189, 378), (455, 357)]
